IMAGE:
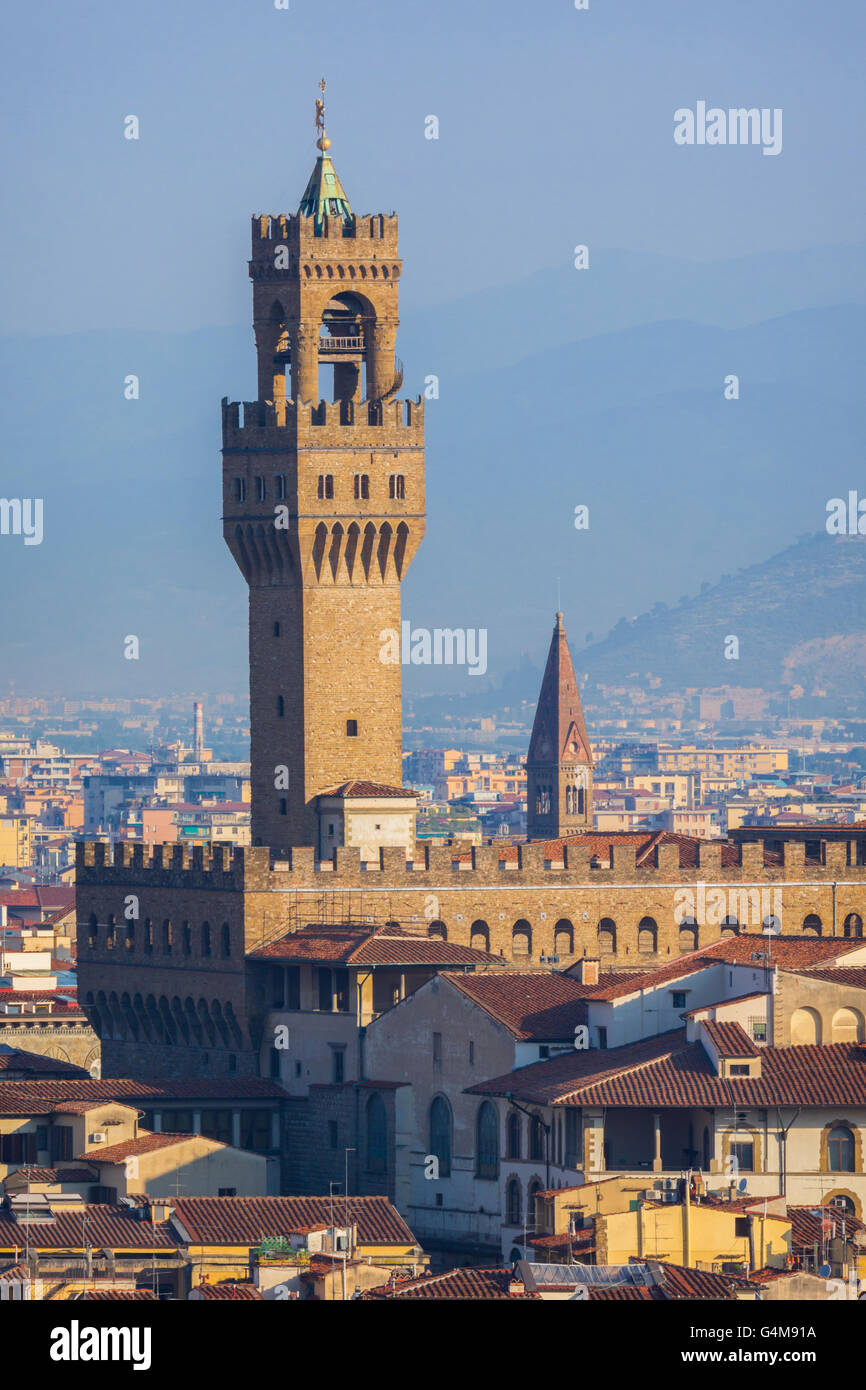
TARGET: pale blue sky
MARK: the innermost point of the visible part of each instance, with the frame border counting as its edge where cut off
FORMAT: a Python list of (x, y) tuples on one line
[(556, 128)]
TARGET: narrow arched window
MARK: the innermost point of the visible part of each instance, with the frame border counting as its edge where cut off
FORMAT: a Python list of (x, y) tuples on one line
[(377, 1135), (512, 1136), (487, 1142), (512, 1203), (440, 1134), (840, 1150), (536, 1138)]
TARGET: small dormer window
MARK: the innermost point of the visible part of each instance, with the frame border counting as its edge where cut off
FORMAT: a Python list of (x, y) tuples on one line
[(740, 1069)]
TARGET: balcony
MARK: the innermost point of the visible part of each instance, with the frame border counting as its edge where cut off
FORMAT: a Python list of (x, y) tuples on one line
[(341, 349)]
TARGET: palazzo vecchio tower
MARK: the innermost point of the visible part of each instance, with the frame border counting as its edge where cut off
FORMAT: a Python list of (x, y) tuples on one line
[(323, 510)]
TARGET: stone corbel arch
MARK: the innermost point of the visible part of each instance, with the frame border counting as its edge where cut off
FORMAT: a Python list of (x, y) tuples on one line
[(852, 1197), (739, 1136), (825, 1145)]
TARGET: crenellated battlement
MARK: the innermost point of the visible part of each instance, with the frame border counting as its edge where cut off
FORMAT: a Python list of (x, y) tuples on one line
[(255, 867), (296, 231), (261, 424)]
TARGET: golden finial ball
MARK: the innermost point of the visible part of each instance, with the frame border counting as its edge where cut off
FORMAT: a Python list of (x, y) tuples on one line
[(323, 144)]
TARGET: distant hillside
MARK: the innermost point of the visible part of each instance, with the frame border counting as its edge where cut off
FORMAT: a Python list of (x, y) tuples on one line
[(800, 618)]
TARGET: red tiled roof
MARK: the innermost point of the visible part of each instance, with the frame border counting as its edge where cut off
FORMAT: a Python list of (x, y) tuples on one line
[(144, 1144), (785, 951), (41, 897), (368, 789), (625, 1293), (234, 1292), (852, 975), (53, 1175), (41, 1097), (667, 1071), (806, 1224), (456, 1284), (680, 1282), (730, 1039), (247, 1220), (119, 1295), (529, 1004), (113, 1226), (370, 946), (16, 1060)]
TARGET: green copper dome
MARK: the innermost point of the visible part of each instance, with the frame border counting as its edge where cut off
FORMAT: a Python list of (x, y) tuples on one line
[(324, 195)]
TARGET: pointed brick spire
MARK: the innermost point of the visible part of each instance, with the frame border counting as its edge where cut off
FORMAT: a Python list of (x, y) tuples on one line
[(559, 731), (559, 762)]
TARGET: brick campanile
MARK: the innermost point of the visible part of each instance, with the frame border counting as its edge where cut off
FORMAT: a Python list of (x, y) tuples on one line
[(559, 762), (323, 505)]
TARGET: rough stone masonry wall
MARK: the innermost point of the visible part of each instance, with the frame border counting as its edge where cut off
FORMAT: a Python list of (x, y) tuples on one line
[(162, 1013)]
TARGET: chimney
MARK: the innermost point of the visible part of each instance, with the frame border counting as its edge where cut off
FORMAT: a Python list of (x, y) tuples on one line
[(587, 971), (198, 736)]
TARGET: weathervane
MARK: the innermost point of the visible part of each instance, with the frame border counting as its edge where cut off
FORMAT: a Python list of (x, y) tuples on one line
[(323, 143)]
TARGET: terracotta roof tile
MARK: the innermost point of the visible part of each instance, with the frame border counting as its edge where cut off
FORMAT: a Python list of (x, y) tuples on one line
[(368, 789), (14, 1059), (807, 1222), (144, 1144), (54, 1175), (531, 1005), (789, 952), (455, 1284), (232, 1292), (852, 975), (247, 1220), (42, 1097), (103, 1225), (119, 1295), (369, 946), (730, 1039), (669, 1071)]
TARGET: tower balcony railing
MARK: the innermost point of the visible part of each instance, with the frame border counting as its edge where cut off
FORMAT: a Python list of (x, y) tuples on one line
[(344, 344)]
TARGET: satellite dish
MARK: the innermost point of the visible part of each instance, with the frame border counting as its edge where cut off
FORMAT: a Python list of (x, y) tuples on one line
[(825, 1271), (742, 1184)]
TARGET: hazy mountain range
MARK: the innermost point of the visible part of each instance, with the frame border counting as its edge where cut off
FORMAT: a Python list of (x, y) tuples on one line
[(602, 388)]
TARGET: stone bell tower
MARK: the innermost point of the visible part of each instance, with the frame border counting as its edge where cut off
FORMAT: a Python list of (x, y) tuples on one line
[(323, 506), (559, 762)]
